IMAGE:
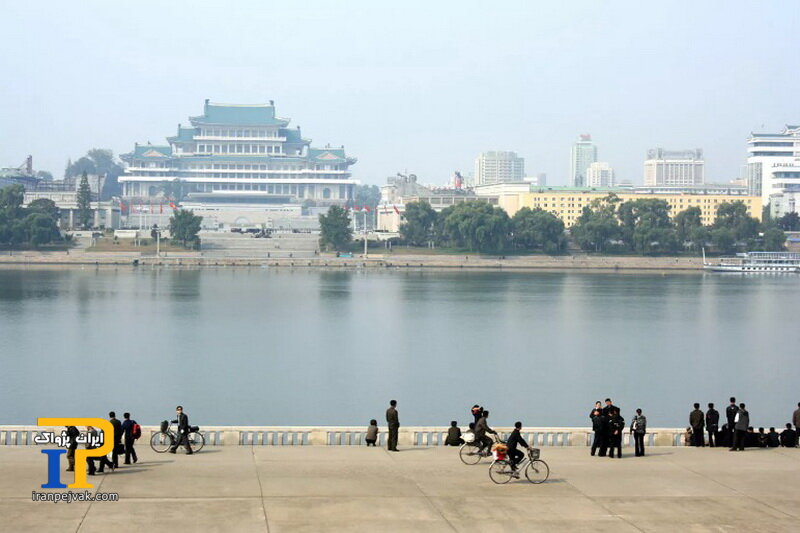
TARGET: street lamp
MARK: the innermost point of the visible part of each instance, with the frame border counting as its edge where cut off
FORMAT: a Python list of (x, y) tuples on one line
[(156, 234)]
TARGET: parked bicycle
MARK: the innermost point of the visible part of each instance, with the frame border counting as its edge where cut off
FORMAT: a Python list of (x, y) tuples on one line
[(471, 454), (166, 438), (535, 469)]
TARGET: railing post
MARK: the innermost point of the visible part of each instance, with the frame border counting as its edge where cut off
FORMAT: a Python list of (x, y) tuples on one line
[(664, 438), (577, 438), (405, 437), (230, 438), (318, 437)]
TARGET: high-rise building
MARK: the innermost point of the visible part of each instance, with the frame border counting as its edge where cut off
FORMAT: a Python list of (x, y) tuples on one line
[(240, 156), (669, 167), (584, 153), (498, 167), (599, 174), (773, 163)]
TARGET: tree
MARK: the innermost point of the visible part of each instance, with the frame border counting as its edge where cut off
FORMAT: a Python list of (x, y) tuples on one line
[(369, 195), (646, 226), (789, 222), (84, 202), (335, 228), (98, 161), (733, 216), (774, 238), (184, 226), (475, 225), (536, 228), (724, 240), (45, 206), (420, 219), (687, 221), (44, 175), (40, 229), (597, 224), (173, 190)]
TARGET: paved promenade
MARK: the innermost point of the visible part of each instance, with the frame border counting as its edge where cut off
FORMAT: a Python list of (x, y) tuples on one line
[(266, 488)]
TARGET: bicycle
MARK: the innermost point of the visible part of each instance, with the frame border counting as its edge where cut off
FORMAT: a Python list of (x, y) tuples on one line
[(536, 470), (166, 438), (471, 454)]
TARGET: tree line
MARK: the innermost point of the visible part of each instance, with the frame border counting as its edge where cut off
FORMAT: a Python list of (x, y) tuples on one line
[(607, 225), (33, 225)]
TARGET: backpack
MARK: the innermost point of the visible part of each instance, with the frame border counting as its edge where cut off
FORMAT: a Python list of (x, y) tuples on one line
[(136, 432)]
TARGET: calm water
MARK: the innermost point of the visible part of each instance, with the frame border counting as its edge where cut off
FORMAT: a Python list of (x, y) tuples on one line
[(261, 347)]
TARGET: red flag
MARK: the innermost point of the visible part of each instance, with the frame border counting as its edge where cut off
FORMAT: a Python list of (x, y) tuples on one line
[(161, 208), (396, 210), (367, 208), (173, 206)]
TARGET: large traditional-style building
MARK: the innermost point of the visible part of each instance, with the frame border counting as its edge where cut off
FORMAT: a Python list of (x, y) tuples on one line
[(241, 158)]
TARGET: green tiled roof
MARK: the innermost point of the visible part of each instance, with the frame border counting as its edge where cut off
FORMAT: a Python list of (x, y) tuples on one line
[(293, 136), (327, 154), (239, 115), (151, 150), (184, 135)]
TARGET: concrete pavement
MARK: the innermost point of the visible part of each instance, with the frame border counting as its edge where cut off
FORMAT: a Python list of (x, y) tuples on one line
[(273, 488)]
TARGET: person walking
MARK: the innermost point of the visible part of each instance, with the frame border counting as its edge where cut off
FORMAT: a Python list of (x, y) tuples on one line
[(697, 422), (616, 425), (712, 425), (600, 428), (183, 431), (638, 430), (741, 423), (393, 422), (91, 435), (129, 438), (112, 416), (72, 434), (730, 414)]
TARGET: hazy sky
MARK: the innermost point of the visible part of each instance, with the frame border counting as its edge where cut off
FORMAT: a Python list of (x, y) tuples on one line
[(422, 86)]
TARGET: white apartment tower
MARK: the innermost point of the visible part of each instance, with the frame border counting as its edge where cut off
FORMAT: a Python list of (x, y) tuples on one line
[(676, 168), (600, 174), (773, 164), (584, 153), (498, 167)]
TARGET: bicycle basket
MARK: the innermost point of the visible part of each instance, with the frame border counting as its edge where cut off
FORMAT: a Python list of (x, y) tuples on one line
[(194, 429), (164, 426), (535, 453)]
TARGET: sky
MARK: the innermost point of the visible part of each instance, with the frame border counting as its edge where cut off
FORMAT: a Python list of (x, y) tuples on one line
[(419, 87)]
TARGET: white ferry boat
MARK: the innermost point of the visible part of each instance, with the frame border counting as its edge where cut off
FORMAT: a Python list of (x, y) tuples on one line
[(756, 262)]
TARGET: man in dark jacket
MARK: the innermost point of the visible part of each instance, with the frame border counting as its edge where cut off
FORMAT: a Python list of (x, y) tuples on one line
[(514, 441), (789, 437), (773, 439), (616, 425), (91, 435), (609, 407), (72, 434), (117, 438), (183, 431), (393, 421), (600, 428), (127, 434), (454, 435), (481, 429), (696, 420), (712, 425), (741, 423), (730, 414)]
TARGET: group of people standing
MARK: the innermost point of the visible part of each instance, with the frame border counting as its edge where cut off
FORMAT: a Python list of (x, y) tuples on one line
[(126, 430), (736, 433), (608, 425)]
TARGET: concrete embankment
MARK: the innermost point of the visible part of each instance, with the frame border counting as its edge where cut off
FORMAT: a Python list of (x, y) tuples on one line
[(379, 261)]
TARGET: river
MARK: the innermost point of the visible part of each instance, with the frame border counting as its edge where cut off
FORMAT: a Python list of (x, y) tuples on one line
[(257, 346)]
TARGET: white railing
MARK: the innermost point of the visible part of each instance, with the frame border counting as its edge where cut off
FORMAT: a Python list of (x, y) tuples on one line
[(418, 436)]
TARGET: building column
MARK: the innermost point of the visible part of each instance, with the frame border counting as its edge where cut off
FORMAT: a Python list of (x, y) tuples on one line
[(71, 218)]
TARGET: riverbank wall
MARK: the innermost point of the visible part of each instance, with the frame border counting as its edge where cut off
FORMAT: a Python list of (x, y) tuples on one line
[(411, 436), (374, 261)]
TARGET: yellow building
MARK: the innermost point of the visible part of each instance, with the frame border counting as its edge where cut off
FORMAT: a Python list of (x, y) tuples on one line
[(567, 203)]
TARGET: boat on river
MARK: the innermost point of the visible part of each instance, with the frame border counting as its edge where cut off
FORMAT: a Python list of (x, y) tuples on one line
[(756, 263)]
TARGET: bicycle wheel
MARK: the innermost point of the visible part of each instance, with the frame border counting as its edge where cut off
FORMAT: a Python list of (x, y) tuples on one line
[(196, 441), (161, 442), (469, 454), (500, 471), (537, 471)]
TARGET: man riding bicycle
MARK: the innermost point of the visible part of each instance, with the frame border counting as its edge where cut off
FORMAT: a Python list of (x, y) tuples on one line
[(514, 440), (481, 429)]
